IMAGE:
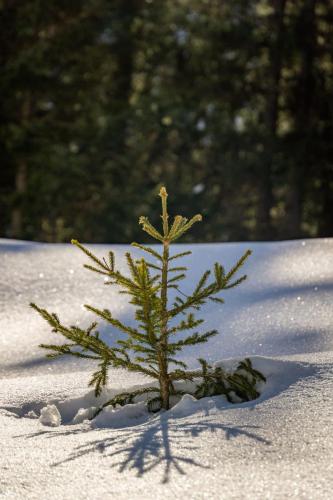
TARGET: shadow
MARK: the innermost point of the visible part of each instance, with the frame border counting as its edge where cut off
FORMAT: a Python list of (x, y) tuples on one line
[(10, 412), (163, 442), (297, 340), (8, 245), (65, 363), (287, 292)]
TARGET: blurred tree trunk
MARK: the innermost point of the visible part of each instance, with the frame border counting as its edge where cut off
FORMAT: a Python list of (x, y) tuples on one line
[(20, 188), (326, 191), (305, 96), (21, 177), (266, 200), (118, 175), (124, 50), (325, 223)]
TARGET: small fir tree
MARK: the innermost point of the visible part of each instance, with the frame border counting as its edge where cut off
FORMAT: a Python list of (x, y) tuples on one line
[(151, 347)]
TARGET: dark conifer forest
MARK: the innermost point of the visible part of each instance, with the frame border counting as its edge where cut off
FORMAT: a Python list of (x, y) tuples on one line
[(227, 103)]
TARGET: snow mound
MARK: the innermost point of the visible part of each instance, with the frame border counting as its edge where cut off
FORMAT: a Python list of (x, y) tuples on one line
[(280, 374), (50, 416), (31, 414), (84, 414), (126, 416), (187, 405)]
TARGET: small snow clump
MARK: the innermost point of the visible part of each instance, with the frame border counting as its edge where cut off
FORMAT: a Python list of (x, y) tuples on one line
[(49, 415)]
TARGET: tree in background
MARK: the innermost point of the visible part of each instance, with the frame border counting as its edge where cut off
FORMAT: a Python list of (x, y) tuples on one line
[(228, 102)]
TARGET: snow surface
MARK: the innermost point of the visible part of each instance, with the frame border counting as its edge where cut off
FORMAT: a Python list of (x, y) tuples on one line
[(277, 447)]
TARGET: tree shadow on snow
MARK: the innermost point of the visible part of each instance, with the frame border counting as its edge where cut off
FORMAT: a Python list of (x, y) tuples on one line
[(162, 442)]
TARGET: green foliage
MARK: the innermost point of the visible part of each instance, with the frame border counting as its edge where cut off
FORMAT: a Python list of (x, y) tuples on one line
[(151, 346), (229, 102), (241, 383)]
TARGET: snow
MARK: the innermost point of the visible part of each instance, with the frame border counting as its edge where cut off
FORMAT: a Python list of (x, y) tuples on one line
[(278, 446), (186, 406), (50, 416), (84, 414), (125, 416)]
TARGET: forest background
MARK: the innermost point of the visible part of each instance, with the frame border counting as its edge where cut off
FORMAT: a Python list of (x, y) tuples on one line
[(228, 103)]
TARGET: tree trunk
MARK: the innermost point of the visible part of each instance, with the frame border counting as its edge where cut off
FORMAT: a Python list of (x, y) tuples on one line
[(304, 120), (21, 179), (163, 342), (20, 188), (326, 191), (266, 195)]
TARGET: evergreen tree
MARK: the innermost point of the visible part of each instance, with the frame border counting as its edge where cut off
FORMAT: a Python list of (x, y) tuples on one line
[(152, 346)]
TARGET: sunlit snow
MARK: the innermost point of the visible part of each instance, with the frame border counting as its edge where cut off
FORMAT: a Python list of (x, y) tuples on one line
[(279, 446)]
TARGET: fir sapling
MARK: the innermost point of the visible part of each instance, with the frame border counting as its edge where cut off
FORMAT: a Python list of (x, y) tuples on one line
[(151, 347)]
